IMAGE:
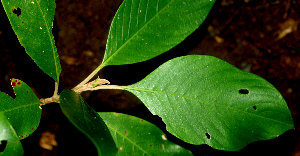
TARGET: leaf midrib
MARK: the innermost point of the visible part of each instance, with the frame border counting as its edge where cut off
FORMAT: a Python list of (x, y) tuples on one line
[(127, 139), (189, 97), (52, 47), (22, 106)]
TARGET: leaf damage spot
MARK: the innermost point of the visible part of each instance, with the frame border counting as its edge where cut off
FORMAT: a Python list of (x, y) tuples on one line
[(244, 91), (3, 145), (121, 148), (17, 11), (13, 82), (254, 107), (151, 145), (207, 135), (164, 137), (125, 132)]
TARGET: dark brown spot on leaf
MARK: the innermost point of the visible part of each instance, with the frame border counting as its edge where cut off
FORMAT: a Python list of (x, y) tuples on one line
[(14, 83)]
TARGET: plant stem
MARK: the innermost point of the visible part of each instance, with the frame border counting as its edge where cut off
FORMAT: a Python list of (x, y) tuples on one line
[(55, 95), (54, 98), (87, 79), (99, 87)]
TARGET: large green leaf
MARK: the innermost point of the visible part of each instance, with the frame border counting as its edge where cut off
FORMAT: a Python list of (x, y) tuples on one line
[(23, 112), (139, 137), (204, 100), (87, 121), (32, 22), (144, 29), (9, 141)]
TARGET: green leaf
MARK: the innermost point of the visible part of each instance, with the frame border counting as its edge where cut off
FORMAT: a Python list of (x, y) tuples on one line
[(82, 116), (204, 100), (23, 112), (9, 141), (142, 30), (32, 22), (139, 137)]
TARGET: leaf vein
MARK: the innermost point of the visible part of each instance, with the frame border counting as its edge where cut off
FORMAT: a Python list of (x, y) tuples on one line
[(193, 98)]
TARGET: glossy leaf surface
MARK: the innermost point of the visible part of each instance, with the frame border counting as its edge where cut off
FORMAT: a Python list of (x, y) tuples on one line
[(144, 29), (82, 116), (32, 22), (204, 100), (9, 141), (23, 112), (135, 136)]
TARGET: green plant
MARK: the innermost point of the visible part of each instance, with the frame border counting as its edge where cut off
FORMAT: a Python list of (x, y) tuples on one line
[(201, 99)]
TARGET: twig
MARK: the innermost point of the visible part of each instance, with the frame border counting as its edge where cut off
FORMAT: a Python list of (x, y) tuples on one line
[(99, 88), (54, 98), (87, 79), (96, 85)]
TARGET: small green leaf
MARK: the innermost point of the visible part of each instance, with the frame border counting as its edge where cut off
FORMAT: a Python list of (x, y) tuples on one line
[(144, 29), (32, 21), (23, 112), (9, 141), (204, 100), (82, 116), (139, 137)]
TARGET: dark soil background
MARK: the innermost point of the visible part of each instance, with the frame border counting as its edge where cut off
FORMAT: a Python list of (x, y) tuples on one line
[(256, 36)]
